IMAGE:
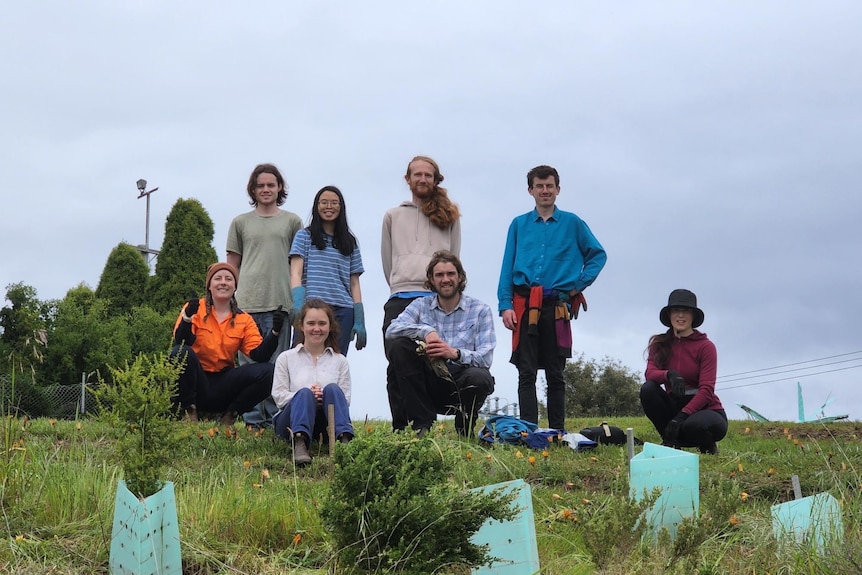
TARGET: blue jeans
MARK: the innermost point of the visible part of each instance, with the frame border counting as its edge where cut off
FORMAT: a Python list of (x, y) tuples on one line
[(261, 414), (303, 414), (344, 317)]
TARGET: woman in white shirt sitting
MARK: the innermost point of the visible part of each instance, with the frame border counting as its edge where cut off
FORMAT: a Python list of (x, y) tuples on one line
[(308, 379)]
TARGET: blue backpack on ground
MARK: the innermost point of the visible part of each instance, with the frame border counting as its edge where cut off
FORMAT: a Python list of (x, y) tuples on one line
[(506, 429), (514, 431)]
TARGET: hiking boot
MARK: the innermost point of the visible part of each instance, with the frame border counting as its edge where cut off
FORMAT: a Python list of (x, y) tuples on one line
[(192, 414), (301, 457), (421, 432), (228, 419), (710, 448), (345, 437)]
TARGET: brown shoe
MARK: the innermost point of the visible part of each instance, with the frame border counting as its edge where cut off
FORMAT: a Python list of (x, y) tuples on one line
[(228, 419), (192, 414), (301, 457)]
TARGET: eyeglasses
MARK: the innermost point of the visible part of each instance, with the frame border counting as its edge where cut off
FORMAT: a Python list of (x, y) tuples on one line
[(329, 203), (549, 187)]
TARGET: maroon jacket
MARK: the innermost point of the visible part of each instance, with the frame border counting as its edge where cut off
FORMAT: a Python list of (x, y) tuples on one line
[(695, 359)]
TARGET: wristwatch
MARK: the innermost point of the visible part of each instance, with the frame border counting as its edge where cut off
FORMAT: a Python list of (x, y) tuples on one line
[(458, 355)]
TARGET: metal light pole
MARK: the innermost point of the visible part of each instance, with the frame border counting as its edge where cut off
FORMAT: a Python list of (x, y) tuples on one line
[(145, 248)]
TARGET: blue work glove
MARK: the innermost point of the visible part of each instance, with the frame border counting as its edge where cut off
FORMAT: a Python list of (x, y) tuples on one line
[(359, 325), (671, 431), (297, 294)]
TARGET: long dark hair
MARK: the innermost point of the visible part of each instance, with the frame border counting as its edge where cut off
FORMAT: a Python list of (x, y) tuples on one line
[(342, 238), (334, 330), (659, 348)]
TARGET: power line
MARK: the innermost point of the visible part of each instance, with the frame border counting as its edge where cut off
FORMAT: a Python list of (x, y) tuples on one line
[(790, 364), (724, 380), (788, 378)]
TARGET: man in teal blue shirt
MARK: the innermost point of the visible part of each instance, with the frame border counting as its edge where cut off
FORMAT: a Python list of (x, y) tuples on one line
[(551, 257)]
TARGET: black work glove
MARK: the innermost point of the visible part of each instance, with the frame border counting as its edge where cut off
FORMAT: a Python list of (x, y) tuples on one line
[(677, 383), (277, 320), (671, 431), (192, 306)]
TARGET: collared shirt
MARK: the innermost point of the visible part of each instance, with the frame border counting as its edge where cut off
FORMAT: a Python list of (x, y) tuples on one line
[(559, 253), (468, 328), (295, 369), (216, 342)]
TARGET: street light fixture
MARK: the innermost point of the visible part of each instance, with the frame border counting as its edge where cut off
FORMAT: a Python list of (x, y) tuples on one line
[(145, 248)]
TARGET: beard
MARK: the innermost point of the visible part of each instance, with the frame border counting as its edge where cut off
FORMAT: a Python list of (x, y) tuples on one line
[(423, 191)]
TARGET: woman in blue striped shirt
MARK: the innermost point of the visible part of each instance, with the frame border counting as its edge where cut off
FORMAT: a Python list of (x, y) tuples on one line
[(325, 263)]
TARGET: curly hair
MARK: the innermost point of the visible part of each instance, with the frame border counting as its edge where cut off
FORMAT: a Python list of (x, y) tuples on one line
[(445, 257), (439, 208)]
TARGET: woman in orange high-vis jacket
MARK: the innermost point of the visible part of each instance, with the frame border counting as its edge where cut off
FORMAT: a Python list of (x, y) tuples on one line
[(209, 332)]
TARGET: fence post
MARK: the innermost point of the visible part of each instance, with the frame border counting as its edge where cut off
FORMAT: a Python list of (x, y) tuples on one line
[(83, 392)]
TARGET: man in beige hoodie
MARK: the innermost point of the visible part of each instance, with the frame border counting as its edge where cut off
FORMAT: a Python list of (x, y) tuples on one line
[(412, 232)]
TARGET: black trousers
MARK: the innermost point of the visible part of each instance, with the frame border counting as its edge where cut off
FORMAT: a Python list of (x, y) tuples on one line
[(702, 429), (392, 309), (233, 389), (540, 351), (424, 394)]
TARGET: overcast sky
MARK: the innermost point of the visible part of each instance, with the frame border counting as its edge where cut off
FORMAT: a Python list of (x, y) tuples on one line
[(709, 145)]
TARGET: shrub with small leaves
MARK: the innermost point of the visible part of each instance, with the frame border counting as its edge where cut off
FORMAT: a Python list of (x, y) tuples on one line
[(138, 403), (393, 507)]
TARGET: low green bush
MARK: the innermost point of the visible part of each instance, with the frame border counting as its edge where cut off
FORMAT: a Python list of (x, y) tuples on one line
[(393, 507)]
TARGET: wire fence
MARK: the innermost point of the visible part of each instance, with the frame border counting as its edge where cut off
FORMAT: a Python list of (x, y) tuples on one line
[(57, 401)]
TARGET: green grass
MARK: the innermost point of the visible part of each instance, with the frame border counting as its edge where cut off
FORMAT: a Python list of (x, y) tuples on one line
[(243, 508)]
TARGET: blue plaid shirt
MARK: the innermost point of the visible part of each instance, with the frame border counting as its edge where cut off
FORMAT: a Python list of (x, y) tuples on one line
[(469, 328)]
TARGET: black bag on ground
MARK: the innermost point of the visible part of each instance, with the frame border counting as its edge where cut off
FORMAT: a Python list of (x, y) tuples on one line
[(605, 434)]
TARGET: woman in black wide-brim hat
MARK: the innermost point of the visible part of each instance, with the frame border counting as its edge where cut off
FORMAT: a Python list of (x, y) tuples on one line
[(679, 393)]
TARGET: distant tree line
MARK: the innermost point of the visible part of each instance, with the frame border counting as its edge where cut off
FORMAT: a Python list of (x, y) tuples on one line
[(601, 389), (130, 312)]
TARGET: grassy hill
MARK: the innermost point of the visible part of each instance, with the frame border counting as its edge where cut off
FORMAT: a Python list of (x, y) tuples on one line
[(243, 508)]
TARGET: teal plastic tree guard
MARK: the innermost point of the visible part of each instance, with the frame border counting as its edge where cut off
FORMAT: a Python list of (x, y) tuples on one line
[(145, 539), (677, 474), (513, 543), (810, 521)]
